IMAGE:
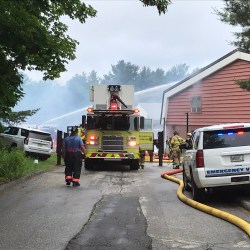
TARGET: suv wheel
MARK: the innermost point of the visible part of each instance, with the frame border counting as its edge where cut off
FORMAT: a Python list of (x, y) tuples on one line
[(198, 193), (185, 181)]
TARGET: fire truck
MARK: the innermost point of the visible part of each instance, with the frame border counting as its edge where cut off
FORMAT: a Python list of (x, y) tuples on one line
[(114, 130)]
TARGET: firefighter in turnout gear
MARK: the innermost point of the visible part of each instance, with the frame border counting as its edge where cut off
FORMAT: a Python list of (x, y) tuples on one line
[(72, 152), (176, 141)]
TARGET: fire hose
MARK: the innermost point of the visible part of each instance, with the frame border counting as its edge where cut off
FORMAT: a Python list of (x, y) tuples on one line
[(245, 226)]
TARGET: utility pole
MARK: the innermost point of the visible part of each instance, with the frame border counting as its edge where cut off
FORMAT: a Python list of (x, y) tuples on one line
[(187, 121)]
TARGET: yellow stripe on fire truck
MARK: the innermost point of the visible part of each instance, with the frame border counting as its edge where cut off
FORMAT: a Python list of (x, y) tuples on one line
[(111, 155)]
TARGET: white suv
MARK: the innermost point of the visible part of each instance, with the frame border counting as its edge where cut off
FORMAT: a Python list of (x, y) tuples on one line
[(33, 141), (219, 157)]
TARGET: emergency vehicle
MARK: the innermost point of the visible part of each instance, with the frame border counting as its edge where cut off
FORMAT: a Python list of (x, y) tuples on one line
[(219, 157), (114, 130)]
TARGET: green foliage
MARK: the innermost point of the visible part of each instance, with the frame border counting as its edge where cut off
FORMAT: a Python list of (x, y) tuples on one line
[(244, 84), (12, 164), (18, 117), (162, 5), (34, 38), (121, 73), (78, 90), (128, 73), (93, 78), (237, 13), (1, 130)]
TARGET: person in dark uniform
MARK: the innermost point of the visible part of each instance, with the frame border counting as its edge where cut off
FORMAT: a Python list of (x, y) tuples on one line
[(73, 149)]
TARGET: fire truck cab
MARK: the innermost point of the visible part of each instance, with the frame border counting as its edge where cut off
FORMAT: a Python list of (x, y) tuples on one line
[(114, 130)]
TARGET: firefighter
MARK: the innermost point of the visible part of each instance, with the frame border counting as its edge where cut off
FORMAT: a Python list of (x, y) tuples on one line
[(176, 141), (189, 140), (73, 149), (170, 151)]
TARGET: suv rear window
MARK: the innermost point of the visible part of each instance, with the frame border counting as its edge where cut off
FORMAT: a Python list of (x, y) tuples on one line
[(40, 136), (226, 138)]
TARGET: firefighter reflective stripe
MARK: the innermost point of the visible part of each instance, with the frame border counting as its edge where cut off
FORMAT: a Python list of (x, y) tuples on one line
[(68, 177), (76, 179), (111, 155)]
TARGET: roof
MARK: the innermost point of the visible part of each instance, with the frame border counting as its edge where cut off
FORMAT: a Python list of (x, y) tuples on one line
[(29, 128), (203, 73), (225, 126)]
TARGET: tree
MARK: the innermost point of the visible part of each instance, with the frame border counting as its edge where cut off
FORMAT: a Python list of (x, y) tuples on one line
[(78, 91), (122, 73), (19, 117), (237, 13), (177, 72), (93, 78), (162, 5), (33, 37)]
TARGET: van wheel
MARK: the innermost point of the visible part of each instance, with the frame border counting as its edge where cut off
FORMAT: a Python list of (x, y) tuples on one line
[(185, 181), (197, 193), (13, 146)]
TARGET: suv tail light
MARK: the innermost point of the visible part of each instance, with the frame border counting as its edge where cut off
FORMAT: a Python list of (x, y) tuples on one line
[(199, 159), (26, 140)]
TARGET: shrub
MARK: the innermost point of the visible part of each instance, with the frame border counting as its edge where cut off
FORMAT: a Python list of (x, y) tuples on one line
[(12, 164)]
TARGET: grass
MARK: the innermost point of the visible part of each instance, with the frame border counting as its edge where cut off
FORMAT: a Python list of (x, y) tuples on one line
[(14, 165), (33, 167)]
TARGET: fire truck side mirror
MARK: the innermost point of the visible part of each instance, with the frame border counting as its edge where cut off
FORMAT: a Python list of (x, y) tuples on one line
[(141, 122), (136, 123), (84, 121)]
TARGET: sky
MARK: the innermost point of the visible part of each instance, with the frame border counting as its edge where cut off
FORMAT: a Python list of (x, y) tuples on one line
[(188, 33)]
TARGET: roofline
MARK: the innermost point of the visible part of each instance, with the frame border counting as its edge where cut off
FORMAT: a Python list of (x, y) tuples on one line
[(204, 72)]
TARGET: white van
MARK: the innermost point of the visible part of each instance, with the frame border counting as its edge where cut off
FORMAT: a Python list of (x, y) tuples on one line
[(33, 141), (219, 157)]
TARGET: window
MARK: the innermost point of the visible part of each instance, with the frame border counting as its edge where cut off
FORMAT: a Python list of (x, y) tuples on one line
[(196, 104), (195, 139), (40, 135), (11, 131), (24, 132), (148, 124), (226, 138)]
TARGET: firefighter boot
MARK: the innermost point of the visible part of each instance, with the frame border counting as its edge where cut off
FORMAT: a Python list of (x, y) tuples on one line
[(76, 184), (68, 180)]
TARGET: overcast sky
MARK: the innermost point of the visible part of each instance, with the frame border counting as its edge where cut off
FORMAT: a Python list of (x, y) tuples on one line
[(125, 30)]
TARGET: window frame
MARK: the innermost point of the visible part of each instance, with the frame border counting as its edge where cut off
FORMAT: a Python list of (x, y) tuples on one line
[(196, 104)]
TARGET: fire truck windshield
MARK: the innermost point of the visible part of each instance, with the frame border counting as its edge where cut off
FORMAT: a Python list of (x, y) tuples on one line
[(110, 122)]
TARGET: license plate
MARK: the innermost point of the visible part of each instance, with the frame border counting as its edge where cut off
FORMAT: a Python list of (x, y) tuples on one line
[(236, 158)]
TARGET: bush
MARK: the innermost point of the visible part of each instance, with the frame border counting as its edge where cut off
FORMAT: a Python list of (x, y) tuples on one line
[(12, 164), (1, 127), (2, 143)]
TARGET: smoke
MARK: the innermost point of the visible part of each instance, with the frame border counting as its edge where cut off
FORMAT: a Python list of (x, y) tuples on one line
[(61, 107)]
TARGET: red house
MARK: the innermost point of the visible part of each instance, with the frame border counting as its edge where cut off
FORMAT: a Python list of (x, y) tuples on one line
[(210, 96)]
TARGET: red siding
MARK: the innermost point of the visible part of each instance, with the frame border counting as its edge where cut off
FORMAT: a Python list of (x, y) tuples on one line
[(222, 100)]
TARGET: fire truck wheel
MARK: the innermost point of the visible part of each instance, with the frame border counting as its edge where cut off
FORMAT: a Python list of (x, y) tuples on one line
[(87, 164), (134, 164)]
